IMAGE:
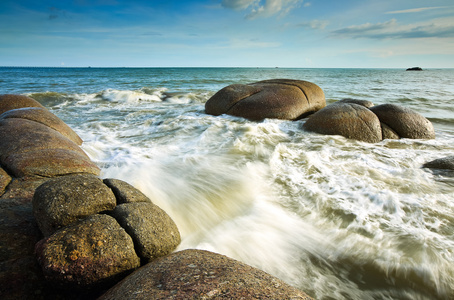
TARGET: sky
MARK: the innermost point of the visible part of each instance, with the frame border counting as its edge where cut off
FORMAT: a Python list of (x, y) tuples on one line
[(227, 33)]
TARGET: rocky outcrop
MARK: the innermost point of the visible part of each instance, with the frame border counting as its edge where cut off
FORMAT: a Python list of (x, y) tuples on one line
[(361, 120), (198, 274), (277, 98)]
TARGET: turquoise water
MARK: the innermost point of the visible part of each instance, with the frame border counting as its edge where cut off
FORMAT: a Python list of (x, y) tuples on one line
[(340, 219)]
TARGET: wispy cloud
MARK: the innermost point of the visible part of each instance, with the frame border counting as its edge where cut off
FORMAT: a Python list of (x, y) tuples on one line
[(314, 24), (393, 30), (262, 8), (414, 10)]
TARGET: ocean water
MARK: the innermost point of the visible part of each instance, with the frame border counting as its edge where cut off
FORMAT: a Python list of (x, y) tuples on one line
[(337, 218)]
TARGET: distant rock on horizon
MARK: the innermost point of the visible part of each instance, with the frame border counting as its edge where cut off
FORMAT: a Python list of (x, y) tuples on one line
[(414, 69)]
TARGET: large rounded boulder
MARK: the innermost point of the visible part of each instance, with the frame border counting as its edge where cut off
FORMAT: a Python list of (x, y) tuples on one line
[(404, 121), (198, 274), (10, 101), (64, 200), (350, 120), (93, 252), (285, 99)]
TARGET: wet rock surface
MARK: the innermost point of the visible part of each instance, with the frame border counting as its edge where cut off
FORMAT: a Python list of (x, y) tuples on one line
[(198, 274), (285, 99), (361, 120)]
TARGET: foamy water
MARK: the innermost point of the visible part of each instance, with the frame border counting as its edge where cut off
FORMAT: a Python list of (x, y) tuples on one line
[(337, 218)]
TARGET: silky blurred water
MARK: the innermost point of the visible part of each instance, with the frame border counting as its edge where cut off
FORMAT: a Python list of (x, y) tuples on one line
[(337, 218)]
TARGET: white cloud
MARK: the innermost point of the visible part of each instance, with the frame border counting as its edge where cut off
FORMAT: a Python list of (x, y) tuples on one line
[(314, 24), (262, 8), (414, 10)]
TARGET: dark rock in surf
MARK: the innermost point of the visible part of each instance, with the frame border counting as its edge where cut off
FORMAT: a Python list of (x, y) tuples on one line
[(198, 274), (350, 120), (64, 200), (414, 69), (277, 98), (445, 163), (153, 231), (93, 252), (405, 122)]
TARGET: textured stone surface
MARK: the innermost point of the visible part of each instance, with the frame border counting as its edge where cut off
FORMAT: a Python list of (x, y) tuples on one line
[(5, 179), (21, 135), (64, 200), (50, 163), (9, 101), (197, 274), (124, 192), (93, 252), (45, 117), (347, 119), (153, 231), (364, 103), (277, 98), (405, 122)]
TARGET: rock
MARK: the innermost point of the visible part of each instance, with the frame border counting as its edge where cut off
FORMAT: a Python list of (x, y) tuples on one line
[(277, 98), (445, 163), (414, 69), (198, 274), (153, 231), (364, 103), (64, 200), (93, 252), (21, 135), (45, 117), (124, 192), (5, 179), (50, 163), (405, 122), (347, 119), (8, 102), (388, 133)]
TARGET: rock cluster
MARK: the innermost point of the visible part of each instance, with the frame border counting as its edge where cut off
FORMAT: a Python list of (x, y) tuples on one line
[(285, 99), (361, 120), (87, 233)]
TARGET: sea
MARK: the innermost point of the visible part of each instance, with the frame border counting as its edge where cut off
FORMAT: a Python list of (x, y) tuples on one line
[(334, 217)]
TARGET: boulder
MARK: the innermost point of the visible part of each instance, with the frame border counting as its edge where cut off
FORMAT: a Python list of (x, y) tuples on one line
[(198, 274), (64, 200), (153, 231), (45, 117), (405, 122), (445, 163), (49, 163), (90, 253), (124, 192), (277, 98), (364, 103), (350, 120), (8, 102), (21, 135)]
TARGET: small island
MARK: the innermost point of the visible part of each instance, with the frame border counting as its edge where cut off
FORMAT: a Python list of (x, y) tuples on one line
[(414, 69)]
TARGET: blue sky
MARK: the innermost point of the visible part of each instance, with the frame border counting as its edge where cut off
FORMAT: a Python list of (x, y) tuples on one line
[(228, 33)]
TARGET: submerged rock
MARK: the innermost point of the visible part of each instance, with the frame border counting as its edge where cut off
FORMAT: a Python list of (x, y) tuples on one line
[(93, 252), (444, 163), (198, 274), (277, 98)]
